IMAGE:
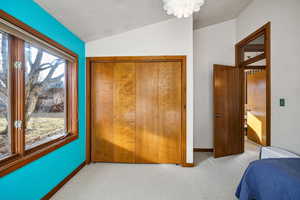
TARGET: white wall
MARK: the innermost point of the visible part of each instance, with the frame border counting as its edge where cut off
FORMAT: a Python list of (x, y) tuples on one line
[(285, 63), (212, 45), (171, 37)]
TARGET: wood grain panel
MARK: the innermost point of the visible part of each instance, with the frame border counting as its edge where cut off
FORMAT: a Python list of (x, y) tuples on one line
[(256, 99), (169, 101), (102, 101), (147, 138), (124, 105)]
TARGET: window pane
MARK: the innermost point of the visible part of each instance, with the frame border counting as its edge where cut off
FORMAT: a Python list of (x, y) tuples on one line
[(262, 62), (254, 48), (5, 149), (45, 96)]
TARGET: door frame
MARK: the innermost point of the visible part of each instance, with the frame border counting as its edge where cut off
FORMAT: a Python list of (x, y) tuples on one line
[(266, 31), (89, 78)]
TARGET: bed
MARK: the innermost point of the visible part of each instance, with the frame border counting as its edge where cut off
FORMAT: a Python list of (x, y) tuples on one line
[(271, 179)]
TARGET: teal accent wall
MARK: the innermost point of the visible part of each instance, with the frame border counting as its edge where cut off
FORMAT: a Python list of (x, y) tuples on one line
[(36, 179)]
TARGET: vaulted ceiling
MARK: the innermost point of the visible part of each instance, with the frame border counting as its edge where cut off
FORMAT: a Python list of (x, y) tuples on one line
[(216, 11), (95, 19)]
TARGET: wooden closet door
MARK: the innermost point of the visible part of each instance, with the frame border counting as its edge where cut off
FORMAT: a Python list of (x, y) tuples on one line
[(124, 104), (102, 141), (136, 113), (147, 113), (170, 113), (113, 115), (158, 133)]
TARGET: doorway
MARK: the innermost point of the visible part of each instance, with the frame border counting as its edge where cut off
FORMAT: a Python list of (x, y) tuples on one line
[(253, 58), (255, 105), (242, 96)]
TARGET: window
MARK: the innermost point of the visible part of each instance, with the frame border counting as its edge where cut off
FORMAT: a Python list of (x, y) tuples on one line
[(45, 96), (38, 95), (5, 140)]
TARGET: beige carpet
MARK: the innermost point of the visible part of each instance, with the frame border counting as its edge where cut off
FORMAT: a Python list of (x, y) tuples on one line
[(211, 179)]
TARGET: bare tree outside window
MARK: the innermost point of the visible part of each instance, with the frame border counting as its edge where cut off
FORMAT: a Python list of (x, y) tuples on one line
[(4, 97), (38, 94), (45, 96)]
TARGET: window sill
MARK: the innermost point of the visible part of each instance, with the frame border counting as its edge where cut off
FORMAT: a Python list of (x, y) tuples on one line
[(16, 162)]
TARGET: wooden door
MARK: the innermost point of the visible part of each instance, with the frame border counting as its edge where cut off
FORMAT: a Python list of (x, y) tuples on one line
[(113, 112), (136, 113), (227, 136), (256, 107), (158, 133)]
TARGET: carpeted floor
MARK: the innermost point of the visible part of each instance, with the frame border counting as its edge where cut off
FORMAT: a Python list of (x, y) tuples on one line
[(211, 179)]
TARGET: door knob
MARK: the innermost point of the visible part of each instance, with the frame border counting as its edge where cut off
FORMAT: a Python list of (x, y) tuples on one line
[(218, 115)]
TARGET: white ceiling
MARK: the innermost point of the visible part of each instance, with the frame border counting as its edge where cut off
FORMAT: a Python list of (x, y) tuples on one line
[(216, 11), (95, 19)]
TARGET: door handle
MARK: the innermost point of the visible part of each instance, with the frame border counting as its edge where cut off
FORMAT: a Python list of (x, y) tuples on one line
[(218, 115)]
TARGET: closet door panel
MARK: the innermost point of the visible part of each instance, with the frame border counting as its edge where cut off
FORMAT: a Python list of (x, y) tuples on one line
[(147, 138), (124, 105), (102, 115), (169, 102)]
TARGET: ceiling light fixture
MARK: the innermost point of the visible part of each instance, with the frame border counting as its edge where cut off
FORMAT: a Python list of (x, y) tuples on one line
[(182, 8)]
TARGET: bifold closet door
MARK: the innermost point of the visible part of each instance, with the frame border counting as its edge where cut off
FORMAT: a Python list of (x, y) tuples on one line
[(113, 112), (158, 133), (136, 112)]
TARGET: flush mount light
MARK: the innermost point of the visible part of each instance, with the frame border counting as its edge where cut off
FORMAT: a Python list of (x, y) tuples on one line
[(182, 8)]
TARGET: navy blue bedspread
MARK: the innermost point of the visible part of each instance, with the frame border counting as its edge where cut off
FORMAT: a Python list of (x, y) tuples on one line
[(271, 179)]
